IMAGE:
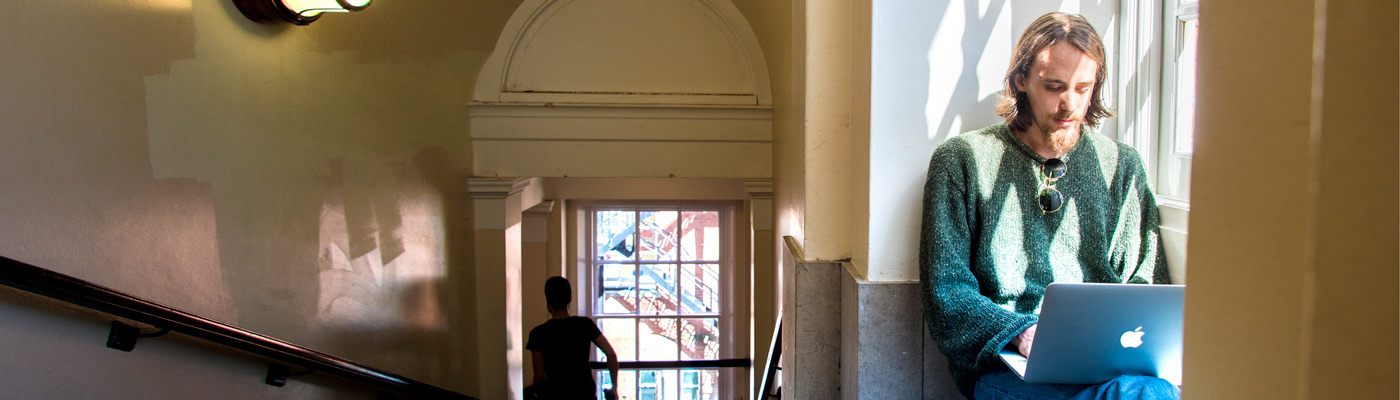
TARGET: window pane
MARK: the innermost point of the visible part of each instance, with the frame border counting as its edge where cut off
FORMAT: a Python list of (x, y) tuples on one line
[(656, 384), (618, 284), (615, 237), (658, 239), (1186, 88), (604, 380), (700, 236), (700, 339), (658, 339), (699, 288), (699, 384), (627, 383), (657, 284), (622, 335)]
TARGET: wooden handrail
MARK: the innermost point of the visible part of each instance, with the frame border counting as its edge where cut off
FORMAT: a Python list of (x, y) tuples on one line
[(66, 288)]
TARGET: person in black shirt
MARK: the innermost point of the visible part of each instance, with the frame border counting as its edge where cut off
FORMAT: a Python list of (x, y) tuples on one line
[(560, 349)]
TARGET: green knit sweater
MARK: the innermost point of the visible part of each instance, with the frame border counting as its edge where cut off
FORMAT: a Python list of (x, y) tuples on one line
[(987, 252)]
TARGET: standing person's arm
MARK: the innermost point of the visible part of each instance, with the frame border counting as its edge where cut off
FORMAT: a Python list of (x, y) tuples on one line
[(539, 368), (602, 343)]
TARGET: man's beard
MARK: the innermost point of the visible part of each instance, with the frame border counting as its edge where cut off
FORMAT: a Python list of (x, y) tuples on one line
[(1059, 139)]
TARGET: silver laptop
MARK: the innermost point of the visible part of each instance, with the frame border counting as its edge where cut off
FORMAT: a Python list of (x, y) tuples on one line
[(1093, 332)]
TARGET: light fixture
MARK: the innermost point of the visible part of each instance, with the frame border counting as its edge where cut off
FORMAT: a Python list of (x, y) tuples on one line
[(300, 12)]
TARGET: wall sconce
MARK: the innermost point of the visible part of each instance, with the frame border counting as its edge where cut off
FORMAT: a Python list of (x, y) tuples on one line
[(300, 12)]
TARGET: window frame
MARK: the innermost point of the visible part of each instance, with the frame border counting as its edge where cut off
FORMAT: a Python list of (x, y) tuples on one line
[(1176, 13), (1147, 50), (732, 313)]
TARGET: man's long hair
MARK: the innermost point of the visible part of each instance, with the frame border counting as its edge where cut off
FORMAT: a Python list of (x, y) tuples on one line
[(1049, 30)]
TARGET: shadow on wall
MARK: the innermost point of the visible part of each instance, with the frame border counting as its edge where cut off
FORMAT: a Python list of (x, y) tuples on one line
[(170, 149), (970, 104), (976, 48), (388, 293), (330, 166)]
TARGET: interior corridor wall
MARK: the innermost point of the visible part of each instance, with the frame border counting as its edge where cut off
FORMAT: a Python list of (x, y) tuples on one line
[(772, 26), (297, 181), (1322, 255)]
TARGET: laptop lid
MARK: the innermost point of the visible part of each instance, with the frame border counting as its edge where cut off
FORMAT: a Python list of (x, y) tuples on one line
[(1093, 332)]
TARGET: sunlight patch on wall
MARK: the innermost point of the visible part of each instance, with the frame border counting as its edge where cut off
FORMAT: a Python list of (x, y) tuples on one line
[(378, 254), (944, 60), (967, 60), (991, 67)]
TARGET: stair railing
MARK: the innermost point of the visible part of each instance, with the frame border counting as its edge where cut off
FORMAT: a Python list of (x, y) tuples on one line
[(66, 288)]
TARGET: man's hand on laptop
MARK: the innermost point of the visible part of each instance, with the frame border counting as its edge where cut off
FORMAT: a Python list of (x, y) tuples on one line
[(1024, 340)]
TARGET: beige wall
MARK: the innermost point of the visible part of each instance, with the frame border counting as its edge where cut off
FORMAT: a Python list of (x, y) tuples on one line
[(828, 128), (1355, 139), (772, 25), (295, 181), (789, 161), (1293, 288)]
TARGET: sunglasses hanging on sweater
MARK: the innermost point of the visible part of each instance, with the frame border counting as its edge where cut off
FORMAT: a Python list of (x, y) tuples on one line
[(1050, 199)]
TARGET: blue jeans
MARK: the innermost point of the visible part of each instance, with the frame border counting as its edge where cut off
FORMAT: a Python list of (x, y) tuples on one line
[(1004, 384)]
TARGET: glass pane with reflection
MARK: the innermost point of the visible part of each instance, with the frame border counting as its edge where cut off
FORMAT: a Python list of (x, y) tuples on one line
[(657, 287), (622, 335), (700, 339), (657, 384), (657, 339), (617, 294), (626, 387), (658, 236), (603, 381), (614, 235), (700, 236), (1186, 88), (699, 384), (699, 288)]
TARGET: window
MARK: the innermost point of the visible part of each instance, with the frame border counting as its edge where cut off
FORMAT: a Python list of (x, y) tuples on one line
[(659, 278), (1176, 139), (1157, 103)]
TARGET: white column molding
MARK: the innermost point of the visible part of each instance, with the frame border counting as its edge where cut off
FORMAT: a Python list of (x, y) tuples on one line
[(759, 188), (490, 188), (488, 200), (761, 204), (496, 207)]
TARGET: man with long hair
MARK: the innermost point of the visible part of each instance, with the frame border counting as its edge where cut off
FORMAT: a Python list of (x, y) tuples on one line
[(1040, 198)]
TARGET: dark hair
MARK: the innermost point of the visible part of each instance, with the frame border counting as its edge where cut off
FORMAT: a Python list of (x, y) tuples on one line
[(1049, 30), (557, 292)]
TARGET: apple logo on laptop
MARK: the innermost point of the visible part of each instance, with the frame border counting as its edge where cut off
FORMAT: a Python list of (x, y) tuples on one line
[(1132, 339)]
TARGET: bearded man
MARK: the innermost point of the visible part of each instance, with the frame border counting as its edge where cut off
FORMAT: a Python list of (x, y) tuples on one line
[(1040, 198)]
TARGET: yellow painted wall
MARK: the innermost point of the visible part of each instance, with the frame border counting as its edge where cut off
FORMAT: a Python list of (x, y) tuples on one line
[(829, 128), (772, 25), (789, 161), (295, 181), (1356, 270), (1293, 261)]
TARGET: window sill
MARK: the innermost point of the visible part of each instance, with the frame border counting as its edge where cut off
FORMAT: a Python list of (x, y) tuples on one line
[(1174, 215)]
